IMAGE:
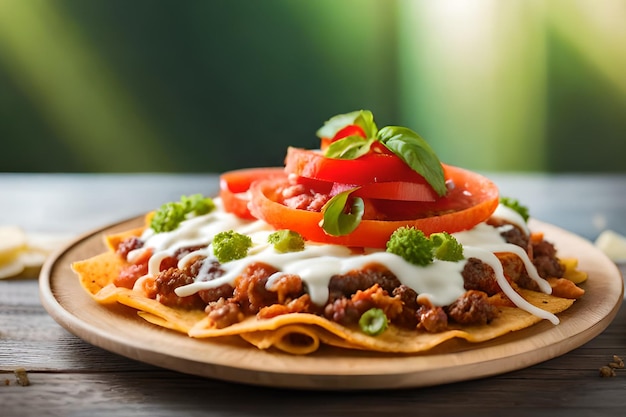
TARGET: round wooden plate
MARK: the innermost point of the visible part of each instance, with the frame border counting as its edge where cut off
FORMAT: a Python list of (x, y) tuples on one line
[(120, 330)]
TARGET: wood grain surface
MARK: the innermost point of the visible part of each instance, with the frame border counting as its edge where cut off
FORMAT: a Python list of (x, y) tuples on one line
[(70, 377)]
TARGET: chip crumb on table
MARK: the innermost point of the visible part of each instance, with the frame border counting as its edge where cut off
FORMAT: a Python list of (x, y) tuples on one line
[(21, 252), (617, 363), (608, 370), (613, 245), (22, 377)]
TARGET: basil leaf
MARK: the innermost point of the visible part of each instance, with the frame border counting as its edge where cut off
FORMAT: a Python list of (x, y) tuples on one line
[(350, 147), (336, 221), (362, 118), (365, 121), (416, 153)]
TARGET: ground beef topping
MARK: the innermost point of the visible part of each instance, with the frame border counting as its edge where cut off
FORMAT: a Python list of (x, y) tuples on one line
[(511, 233), (128, 245), (432, 319), (170, 279), (545, 260), (477, 275), (348, 284), (264, 291), (472, 308), (223, 313)]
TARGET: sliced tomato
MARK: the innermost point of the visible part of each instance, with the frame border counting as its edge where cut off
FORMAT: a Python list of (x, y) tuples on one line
[(391, 190), (235, 184), (398, 191), (473, 198), (373, 167)]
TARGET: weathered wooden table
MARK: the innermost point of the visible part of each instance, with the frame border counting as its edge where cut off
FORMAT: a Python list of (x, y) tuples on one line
[(69, 377)]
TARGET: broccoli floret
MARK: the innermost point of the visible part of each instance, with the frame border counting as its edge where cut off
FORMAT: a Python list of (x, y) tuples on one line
[(167, 217), (197, 204), (286, 241), (170, 215), (446, 247), (230, 245), (411, 244), (515, 205)]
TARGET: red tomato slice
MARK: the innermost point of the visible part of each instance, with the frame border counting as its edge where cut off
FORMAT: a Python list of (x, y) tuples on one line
[(391, 190), (397, 191), (473, 198), (373, 167), (235, 184), (349, 130)]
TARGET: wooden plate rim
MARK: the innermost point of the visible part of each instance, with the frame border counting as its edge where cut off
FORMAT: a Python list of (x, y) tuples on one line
[(122, 332)]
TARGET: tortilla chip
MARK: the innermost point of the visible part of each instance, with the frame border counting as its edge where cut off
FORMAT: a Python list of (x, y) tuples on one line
[(153, 311), (272, 332), (295, 339), (99, 271), (182, 323), (97, 275), (296, 333), (113, 241)]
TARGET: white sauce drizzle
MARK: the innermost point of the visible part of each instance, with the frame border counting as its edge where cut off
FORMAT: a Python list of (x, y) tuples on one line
[(489, 238), (492, 260), (508, 214), (440, 282)]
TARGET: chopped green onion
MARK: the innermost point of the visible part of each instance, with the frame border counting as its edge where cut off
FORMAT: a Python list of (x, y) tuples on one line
[(373, 322)]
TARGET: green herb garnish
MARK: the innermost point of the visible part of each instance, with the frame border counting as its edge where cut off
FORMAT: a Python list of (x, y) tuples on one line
[(170, 215), (350, 147), (412, 245), (286, 241), (230, 245), (403, 142), (197, 204), (515, 205), (416, 153), (446, 247), (336, 222), (362, 118), (415, 247)]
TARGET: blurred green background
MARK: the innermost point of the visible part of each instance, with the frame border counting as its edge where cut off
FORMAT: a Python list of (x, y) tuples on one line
[(208, 86)]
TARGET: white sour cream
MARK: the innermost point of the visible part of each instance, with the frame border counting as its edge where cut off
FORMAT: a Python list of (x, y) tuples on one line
[(440, 282)]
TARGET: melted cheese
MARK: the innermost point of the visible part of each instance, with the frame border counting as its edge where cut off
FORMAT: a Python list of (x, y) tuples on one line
[(440, 282)]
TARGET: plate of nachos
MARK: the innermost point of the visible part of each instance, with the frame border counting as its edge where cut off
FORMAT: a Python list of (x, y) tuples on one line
[(364, 264)]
